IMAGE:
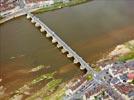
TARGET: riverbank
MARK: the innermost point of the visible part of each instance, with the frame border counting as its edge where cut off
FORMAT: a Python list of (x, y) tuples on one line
[(119, 67), (60, 5), (121, 53), (15, 15), (40, 9), (54, 88)]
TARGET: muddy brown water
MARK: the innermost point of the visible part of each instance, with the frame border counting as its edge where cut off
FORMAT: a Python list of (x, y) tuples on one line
[(91, 29)]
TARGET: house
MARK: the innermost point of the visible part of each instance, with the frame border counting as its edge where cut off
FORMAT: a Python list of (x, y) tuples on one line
[(130, 76)]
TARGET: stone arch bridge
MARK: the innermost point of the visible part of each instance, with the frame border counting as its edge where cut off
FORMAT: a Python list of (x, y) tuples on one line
[(60, 43)]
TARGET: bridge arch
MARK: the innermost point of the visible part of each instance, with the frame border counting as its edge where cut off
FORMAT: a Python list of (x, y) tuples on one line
[(75, 60), (60, 43), (32, 21), (54, 40), (69, 55), (82, 67), (28, 16), (48, 35), (42, 29), (63, 50), (37, 24)]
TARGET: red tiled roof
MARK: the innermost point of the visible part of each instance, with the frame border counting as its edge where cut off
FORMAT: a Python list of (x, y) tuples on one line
[(130, 76), (7, 6), (124, 88)]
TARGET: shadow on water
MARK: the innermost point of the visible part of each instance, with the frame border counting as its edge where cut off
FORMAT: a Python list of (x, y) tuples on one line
[(65, 54)]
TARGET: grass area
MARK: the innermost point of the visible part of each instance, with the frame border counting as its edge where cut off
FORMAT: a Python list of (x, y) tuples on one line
[(59, 5), (46, 90), (126, 57), (89, 77), (97, 69), (58, 95), (27, 86), (42, 77), (52, 84), (130, 46), (37, 68), (130, 55)]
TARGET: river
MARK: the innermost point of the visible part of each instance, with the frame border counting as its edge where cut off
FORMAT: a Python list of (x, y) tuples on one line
[(91, 29)]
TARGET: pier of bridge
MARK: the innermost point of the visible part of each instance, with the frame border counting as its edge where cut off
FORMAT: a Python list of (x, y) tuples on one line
[(60, 43)]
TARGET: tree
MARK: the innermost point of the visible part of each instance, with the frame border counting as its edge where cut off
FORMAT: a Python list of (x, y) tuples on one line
[(89, 77), (103, 93), (132, 81), (95, 97)]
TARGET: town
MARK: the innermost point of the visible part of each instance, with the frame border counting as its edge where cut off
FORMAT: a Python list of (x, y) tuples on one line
[(118, 74), (114, 79), (10, 9)]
